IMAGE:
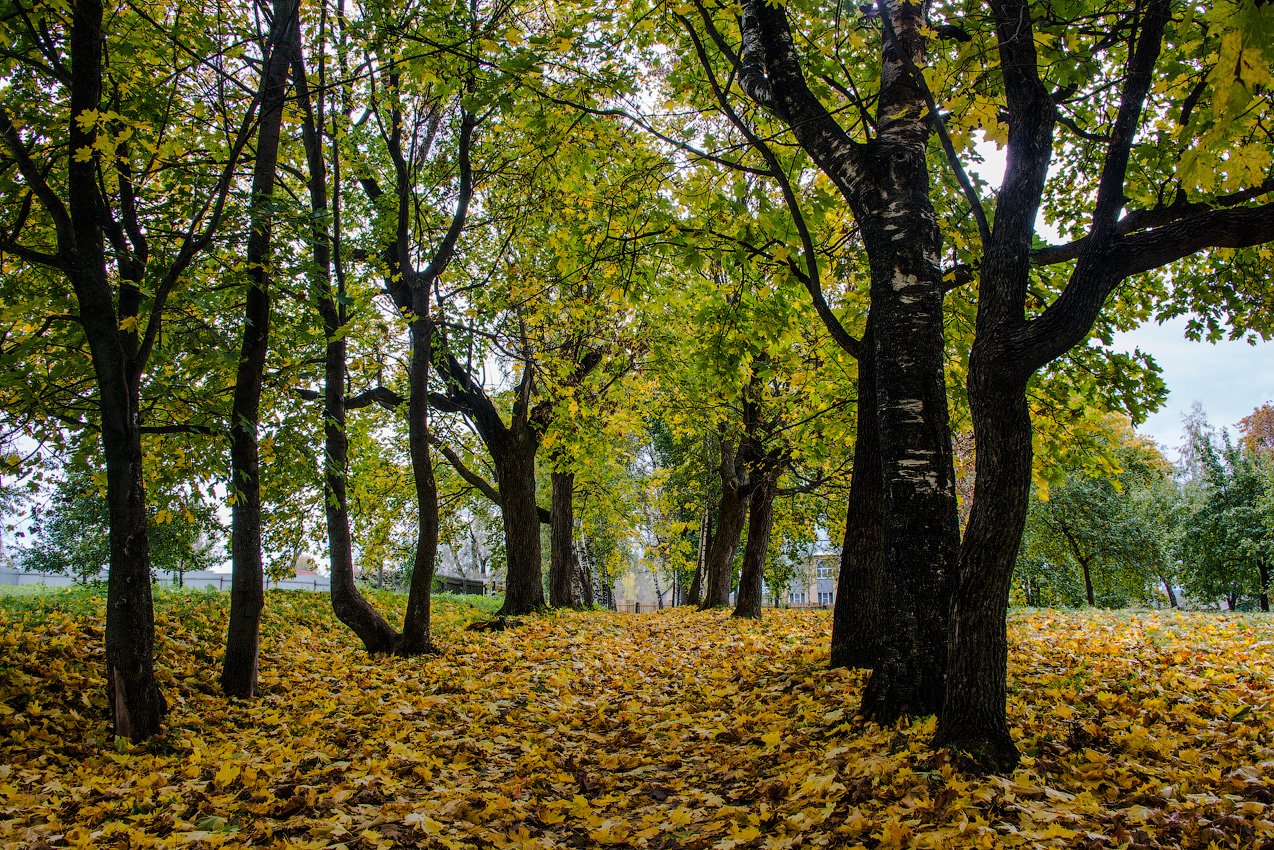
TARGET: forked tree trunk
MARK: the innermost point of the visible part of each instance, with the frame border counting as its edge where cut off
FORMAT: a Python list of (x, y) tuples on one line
[(760, 523), (239, 670), (137, 705), (348, 604), (856, 615), (515, 469), (415, 638)]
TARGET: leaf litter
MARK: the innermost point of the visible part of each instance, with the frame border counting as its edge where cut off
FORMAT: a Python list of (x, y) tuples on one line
[(675, 729)]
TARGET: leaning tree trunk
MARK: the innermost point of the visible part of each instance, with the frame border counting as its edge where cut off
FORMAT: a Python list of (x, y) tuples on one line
[(973, 718), (239, 670), (415, 639), (564, 571), (718, 568), (348, 604), (1172, 594), (1088, 583), (856, 616), (515, 468), (760, 522)]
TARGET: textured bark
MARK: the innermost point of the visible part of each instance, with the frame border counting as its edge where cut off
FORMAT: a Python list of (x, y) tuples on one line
[(137, 705), (731, 513), (886, 185), (415, 638), (239, 669), (515, 469), (973, 719), (377, 636), (760, 523), (565, 575), (857, 611)]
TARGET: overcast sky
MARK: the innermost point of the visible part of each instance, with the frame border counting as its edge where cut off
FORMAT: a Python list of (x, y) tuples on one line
[(1228, 378)]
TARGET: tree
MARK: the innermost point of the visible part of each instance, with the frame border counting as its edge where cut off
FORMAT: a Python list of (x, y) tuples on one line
[(1227, 545), (105, 219)]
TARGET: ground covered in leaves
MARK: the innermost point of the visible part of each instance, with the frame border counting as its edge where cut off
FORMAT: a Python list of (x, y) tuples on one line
[(675, 729)]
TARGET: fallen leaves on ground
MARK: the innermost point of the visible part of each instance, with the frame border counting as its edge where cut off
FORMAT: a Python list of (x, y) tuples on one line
[(674, 729)]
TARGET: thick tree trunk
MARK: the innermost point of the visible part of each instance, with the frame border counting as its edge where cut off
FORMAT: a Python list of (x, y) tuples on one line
[(719, 566), (921, 527), (515, 468), (856, 616), (973, 718), (239, 670), (565, 585), (348, 604), (760, 522), (415, 638)]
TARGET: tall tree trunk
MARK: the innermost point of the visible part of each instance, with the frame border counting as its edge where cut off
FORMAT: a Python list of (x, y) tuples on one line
[(1088, 583), (239, 670), (415, 639), (921, 527), (856, 616), (760, 522), (515, 468), (973, 718), (348, 604), (719, 565), (137, 705), (1172, 594), (563, 565), (1263, 568)]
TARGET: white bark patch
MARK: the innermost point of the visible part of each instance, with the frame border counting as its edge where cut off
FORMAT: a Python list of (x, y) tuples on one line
[(902, 280)]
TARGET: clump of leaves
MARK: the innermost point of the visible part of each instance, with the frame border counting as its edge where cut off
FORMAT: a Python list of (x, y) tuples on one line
[(675, 729)]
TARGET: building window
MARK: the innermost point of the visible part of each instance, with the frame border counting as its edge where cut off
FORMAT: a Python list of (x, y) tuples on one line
[(824, 569), (824, 597), (795, 598)]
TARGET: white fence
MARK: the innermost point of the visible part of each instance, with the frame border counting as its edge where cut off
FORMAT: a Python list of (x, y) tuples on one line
[(197, 579)]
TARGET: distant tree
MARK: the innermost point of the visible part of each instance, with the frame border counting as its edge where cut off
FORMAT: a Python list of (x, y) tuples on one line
[(73, 536), (1227, 546)]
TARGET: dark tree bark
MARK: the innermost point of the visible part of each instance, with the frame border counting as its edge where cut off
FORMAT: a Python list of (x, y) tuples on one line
[(856, 615), (239, 669), (886, 184), (718, 569), (515, 470), (760, 522), (415, 638), (1263, 599), (565, 583), (349, 605), (1088, 583), (1172, 594)]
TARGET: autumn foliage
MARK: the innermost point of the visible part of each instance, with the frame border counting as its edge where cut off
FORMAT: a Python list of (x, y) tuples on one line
[(673, 729)]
